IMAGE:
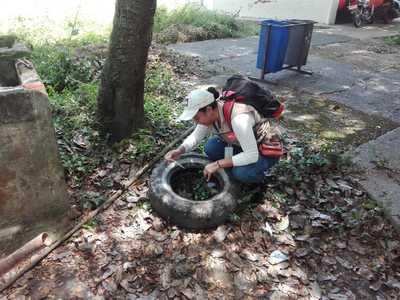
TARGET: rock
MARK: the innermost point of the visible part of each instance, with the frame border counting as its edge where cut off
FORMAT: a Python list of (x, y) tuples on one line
[(277, 257)]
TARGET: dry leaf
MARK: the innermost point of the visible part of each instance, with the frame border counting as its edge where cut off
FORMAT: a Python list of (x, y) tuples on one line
[(283, 224)]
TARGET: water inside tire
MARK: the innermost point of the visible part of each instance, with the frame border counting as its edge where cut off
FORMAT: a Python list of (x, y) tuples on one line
[(190, 183)]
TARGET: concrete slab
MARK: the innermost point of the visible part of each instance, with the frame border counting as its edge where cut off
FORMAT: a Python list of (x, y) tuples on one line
[(228, 48), (376, 30), (370, 91), (379, 95), (380, 160)]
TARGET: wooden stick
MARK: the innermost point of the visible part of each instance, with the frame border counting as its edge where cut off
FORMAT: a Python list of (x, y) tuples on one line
[(6, 282), (10, 261)]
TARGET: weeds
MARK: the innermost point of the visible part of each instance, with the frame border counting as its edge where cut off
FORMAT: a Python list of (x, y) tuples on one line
[(305, 162), (92, 223), (198, 23), (70, 69), (59, 68), (393, 40)]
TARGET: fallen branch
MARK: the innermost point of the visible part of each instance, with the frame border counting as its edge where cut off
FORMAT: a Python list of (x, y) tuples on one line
[(5, 283)]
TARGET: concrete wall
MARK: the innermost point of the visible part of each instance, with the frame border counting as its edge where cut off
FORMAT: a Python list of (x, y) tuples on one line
[(33, 197), (91, 10), (323, 11), (172, 4)]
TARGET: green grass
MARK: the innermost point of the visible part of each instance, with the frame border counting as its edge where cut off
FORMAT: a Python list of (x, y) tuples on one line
[(194, 21), (393, 40), (215, 25)]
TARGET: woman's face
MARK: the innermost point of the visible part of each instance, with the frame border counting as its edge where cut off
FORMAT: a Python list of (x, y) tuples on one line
[(206, 118)]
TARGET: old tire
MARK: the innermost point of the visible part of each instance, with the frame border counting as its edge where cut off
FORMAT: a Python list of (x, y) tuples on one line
[(185, 212)]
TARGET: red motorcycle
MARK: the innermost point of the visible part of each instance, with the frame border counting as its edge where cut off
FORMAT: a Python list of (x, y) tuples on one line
[(365, 11)]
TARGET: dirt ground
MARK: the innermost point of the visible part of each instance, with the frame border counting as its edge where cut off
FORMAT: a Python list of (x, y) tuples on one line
[(327, 121), (322, 239)]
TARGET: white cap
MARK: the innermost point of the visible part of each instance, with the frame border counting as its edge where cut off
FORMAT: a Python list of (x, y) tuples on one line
[(194, 101)]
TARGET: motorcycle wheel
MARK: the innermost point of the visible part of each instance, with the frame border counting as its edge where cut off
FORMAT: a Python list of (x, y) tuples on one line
[(370, 21), (357, 21), (367, 15)]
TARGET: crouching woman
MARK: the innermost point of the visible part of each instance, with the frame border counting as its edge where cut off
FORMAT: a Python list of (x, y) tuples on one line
[(232, 146)]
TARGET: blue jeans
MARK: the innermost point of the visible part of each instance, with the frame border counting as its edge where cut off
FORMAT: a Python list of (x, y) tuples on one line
[(252, 173)]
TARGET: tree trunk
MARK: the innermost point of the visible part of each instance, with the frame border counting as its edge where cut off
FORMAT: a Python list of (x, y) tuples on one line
[(120, 102)]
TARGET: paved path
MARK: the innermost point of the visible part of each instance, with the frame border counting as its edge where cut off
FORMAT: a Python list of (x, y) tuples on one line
[(347, 83), (363, 80)]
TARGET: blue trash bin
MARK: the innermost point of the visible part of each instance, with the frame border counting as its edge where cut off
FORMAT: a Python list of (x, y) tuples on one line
[(274, 36)]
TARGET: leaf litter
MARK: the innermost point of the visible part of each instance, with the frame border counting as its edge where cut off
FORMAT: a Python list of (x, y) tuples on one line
[(319, 240)]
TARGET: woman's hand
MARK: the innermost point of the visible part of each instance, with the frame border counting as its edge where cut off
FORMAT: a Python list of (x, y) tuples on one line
[(173, 155), (210, 169)]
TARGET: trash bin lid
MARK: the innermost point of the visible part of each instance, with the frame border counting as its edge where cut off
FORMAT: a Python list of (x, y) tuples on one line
[(271, 22)]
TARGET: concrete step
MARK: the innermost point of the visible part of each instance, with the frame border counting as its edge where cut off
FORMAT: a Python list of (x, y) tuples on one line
[(380, 159)]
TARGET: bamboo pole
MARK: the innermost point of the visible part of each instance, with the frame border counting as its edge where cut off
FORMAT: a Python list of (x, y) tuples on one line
[(10, 261), (7, 282)]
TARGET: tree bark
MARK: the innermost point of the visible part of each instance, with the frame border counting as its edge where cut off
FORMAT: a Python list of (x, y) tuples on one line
[(120, 109)]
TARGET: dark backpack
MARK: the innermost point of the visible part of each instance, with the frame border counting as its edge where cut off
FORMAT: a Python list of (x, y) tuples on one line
[(240, 89)]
